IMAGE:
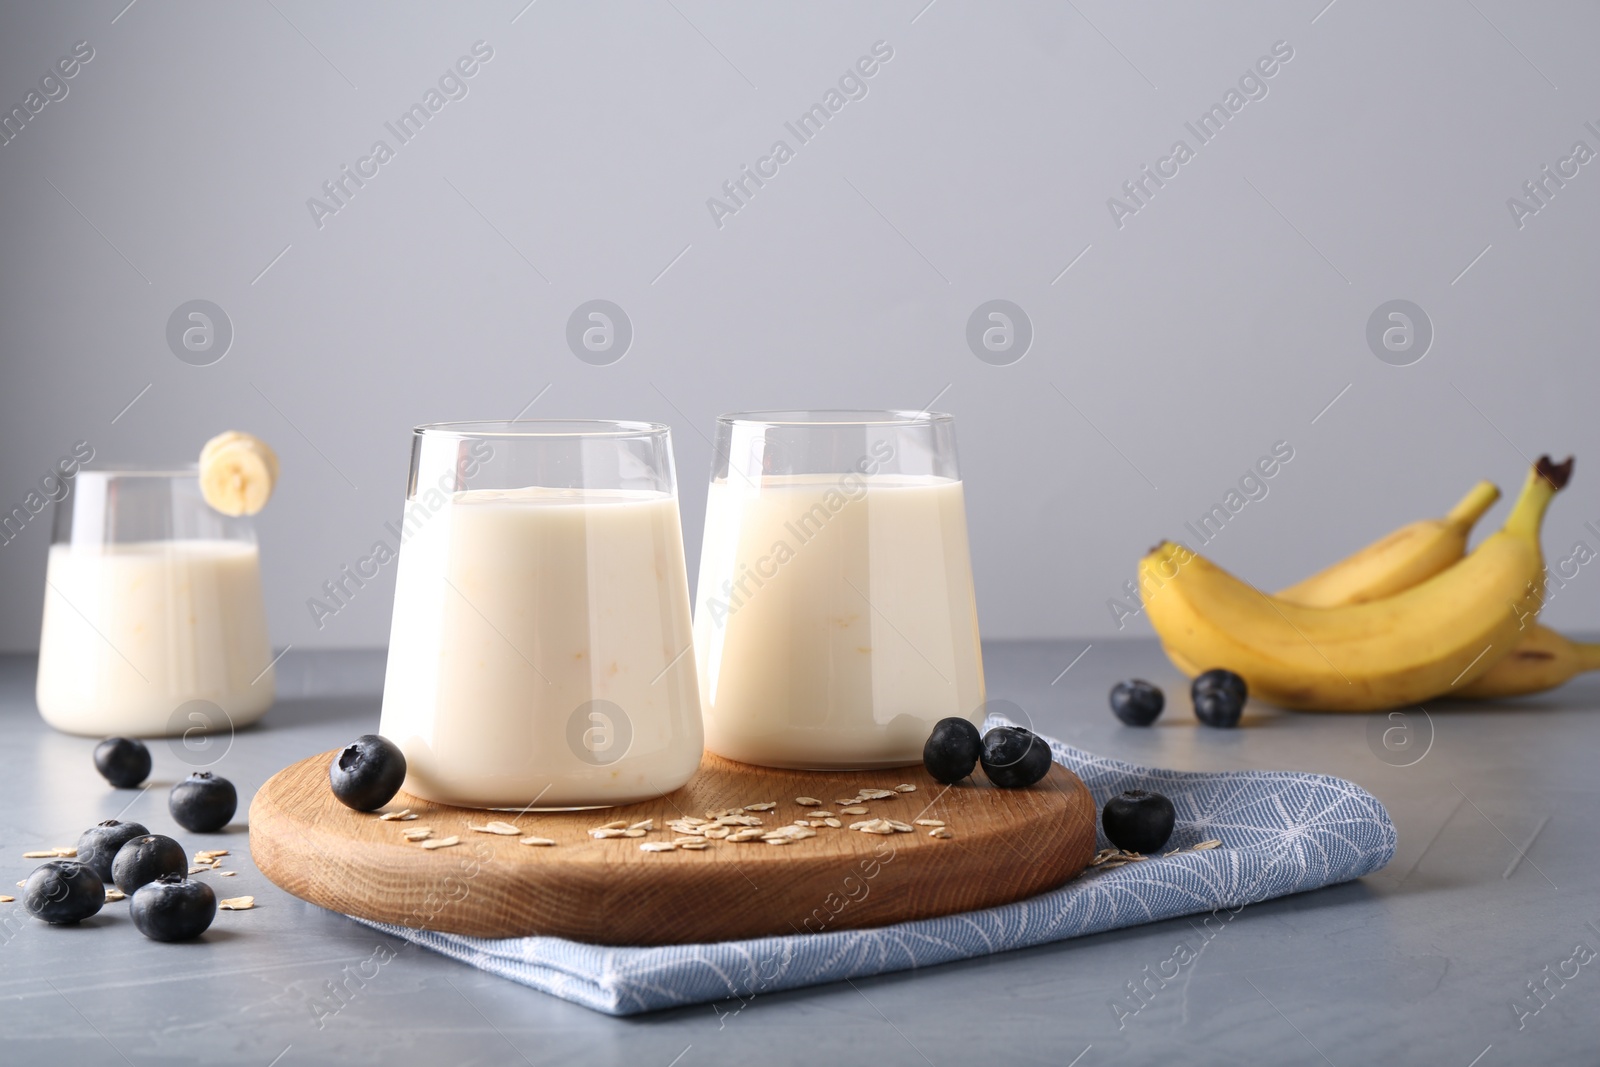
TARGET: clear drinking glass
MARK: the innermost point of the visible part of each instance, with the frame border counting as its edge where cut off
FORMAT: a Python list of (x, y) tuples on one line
[(835, 621), (539, 649), (153, 617)]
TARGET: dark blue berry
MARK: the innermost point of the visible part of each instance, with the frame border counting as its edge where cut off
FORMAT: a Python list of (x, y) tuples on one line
[(203, 802), (144, 859), (172, 908), (124, 761), (1219, 678), (63, 891), (1218, 706), (1138, 821), (367, 773), (952, 750), (1014, 757), (1137, 703), (99, 844)]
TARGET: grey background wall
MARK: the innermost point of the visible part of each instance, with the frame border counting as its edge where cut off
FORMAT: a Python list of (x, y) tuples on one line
[(1174, 340)]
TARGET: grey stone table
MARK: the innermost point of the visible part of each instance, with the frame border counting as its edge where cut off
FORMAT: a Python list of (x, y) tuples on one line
[(1494, 887)]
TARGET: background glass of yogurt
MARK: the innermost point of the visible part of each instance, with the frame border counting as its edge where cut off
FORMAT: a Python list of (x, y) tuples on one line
[(835, 621), (153, 618), (539, 654)]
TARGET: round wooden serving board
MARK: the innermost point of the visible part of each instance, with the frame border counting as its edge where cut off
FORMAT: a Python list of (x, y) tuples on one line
[(1005, 845)]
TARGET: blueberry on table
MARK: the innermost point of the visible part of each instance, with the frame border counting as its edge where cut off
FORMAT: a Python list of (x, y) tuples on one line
[(1218, 706), (953, 750), (144, 859), (1014, 757), (99, 844), (1138, 821), (1137, 703), (63, 891), (172, 908), (124, 761), (1219, 678), (367, 773), (203, 802)]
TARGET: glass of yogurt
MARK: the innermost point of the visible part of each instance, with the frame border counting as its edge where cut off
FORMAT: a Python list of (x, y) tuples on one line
[(835, 620), (153, 616), (539, 655)]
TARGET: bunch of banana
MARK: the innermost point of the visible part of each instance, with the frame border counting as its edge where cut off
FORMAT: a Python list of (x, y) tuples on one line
[(1405, 620)]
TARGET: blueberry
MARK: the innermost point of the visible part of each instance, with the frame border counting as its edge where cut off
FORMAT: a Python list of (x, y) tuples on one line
[(172, 908), (1014, 757), (367, 773), (144, 859), (1137, 821), (952, 750), (124, 761), (203, 802), (63, 891), (1218, 706), (1219, 678), (1137, 703), (98, 845)]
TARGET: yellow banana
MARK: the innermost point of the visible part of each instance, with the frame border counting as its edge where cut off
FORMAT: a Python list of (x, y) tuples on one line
[(1410, 555), (1542, 660), (237, 473), (1420, 642)]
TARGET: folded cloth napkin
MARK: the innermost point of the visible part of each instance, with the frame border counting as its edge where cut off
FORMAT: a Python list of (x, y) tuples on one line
[(1281, 833)]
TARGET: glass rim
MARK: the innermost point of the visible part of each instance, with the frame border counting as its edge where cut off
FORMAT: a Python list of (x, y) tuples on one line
[(142, 470), (840, 417), (542, 428)]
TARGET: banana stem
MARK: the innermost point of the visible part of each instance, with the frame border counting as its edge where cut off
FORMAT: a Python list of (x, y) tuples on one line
[(1545, 479), (1479, 499), (1588, 655)]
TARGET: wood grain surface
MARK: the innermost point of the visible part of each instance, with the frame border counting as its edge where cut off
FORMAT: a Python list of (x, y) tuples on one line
[(1005, 845)]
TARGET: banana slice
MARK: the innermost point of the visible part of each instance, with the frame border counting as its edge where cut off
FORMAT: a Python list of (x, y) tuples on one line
[(237, 473)]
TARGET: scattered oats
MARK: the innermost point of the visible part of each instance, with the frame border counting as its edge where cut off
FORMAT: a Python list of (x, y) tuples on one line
[(227, 874), (817, 822), (422, 833), (808, 802), (643, 824), (7, 900), (114, 895), (900, 827), (905, 787), (850, 800), (210, 853), (694, 846), (24, 882), (620, 824), (854, 809), (634, 831), (835, 823), (930, 822), (442, 842), (236, 904), (755, 834), (874, 826), (940, 831), (739, 820), (765, 805), (197, 870), (717, 833), (657, 846), (504, 829), (47, 854), (876, 794), (545, 841), (391, 816), (692, 821), (603, 832), (818, 814), (1205, 845), (776, 840), (802, 822), (64, 852)]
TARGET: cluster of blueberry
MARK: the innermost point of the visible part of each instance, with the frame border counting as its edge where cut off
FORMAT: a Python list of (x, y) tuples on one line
[(1013, 757), (151, 869), (1218, 696)]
